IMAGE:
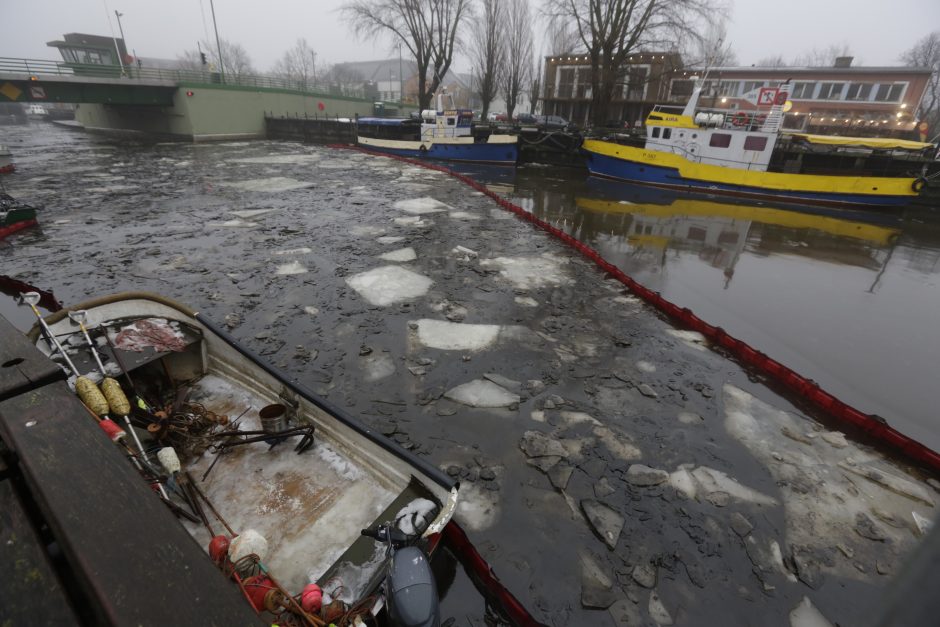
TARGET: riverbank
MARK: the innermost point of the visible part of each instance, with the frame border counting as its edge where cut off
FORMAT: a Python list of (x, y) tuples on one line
[(607, 459)]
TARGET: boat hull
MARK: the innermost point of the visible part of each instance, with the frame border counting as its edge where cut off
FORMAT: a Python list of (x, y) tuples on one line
[(666, 170), (497, 153)]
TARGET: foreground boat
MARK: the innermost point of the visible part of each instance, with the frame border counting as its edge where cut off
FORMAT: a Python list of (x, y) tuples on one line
[(290, 478), (14, 215), (443, 134), (747, 155)]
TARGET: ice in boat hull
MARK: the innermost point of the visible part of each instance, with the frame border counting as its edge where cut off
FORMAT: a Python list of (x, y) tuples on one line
[(747, 155), (310, 506)]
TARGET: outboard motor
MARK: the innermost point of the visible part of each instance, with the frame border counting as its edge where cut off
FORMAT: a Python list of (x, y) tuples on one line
[(410, 589)]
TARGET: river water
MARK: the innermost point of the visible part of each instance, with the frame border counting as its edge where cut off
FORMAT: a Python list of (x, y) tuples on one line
[(270, 239)]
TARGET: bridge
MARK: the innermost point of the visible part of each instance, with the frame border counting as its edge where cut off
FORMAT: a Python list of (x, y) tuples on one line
[(185, 104)]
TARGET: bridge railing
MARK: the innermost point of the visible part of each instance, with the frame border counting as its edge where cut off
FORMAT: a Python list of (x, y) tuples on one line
[(38, 67)]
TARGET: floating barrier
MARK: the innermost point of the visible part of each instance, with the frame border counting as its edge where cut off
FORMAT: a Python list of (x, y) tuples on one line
[(793, 382)]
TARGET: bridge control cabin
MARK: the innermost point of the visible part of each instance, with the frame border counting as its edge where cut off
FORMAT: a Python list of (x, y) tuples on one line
[(80, 49)]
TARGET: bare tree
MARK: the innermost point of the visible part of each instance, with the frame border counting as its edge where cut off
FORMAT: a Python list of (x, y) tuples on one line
[(518, 68), (427, 28), (535, 87), (487, 51), (774, 61), (712, 49), (611, 30), (347, 81), (823, 57), (560, 37), (235, 60), (926, 53), (299, 64)]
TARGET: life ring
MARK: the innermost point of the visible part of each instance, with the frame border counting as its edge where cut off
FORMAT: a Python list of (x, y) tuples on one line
[(919, 184), (739, 119)]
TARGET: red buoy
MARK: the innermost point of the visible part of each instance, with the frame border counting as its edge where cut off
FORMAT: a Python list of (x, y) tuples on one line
[(311, 599), (218, 549)]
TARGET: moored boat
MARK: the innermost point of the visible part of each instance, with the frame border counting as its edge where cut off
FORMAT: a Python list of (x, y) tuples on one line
[(14, 215), (747, 154), (253, 453), (444, 134)]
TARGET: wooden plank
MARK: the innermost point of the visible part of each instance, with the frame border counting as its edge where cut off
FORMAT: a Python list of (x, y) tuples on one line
[(22, 366), (30, 594), (132, 558)]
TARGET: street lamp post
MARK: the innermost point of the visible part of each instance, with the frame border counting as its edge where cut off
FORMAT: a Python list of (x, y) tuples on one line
[(401, 89), (121, 29), (218, 44)]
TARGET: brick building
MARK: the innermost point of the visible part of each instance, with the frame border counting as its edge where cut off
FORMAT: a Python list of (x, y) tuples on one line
[(841, 99)]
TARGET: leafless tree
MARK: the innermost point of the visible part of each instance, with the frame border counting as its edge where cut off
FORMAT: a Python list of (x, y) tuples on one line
[(235, 60), (299, 65), (712, 49), (346, 81), (774, 61), (560, 37), (823, 57), (535, 87), (926, 53), (611, 30), (427, 28), (487, 51), (518, 37)]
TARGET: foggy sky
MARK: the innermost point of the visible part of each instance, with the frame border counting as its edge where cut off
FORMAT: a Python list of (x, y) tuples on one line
[(877, 31)]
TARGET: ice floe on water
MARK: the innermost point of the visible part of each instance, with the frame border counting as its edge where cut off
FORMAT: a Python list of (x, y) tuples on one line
[(806, 615), (526, 301), (693, 339), (280, 159), (111, 189), (389, 284), (645, 366), (251, 213), (273, 184), (445, 335), (367, 230), (377, 366), (294, 267), (463, 215), (413, 221), (482, 393), (237, 223), (421, 206), (294, 251), (402, 255), (477, 508), (531, 272), (390, 239), (311, 310), (835, 494)]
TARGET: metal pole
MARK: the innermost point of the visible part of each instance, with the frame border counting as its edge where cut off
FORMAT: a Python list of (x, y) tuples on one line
[(117, 49), (218, 44), (121, 29), (401, 89)]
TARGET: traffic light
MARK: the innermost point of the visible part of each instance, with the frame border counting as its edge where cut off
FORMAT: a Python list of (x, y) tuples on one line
[(205, 61)]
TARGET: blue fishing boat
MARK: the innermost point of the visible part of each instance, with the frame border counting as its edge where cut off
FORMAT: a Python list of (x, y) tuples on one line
[(444, 134), (747, 154)]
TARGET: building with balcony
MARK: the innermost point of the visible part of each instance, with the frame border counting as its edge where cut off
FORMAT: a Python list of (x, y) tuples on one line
[(842, 99)]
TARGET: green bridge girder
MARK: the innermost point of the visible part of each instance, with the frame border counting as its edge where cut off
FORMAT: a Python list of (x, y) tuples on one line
[(51, 90)]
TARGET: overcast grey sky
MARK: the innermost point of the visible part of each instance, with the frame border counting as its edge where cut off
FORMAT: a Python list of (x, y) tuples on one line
[(877, 31)]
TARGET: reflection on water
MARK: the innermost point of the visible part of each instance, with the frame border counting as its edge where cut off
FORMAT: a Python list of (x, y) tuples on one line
[(845, 297)]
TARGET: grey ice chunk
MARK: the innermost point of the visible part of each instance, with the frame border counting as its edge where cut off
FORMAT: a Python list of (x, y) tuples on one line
[(891, 482), (482, 393), (644, 574), (537, 444), (646, 390), (505, 382), (389, 284), (626, 613), (866, 527), (559, 475), (923, 524), (544, 463), (603, 488), (835, 439), (806, 615), (466, 253), (658, 611), (741, 525), (606, 523), (641, 475), (402, 254), (597, 588)]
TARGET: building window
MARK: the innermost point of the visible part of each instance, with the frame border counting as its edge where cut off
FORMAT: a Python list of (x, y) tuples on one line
[(720, 140), (634, 87), (667, 133), (858, 91), (728, 88), (831, 91), (656, 132), (754, 142), (566, 82), (803, 91), (751, 86), (680, 87), (889, 92)]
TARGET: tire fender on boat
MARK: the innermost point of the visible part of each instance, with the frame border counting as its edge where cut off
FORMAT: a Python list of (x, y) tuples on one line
[(423, 149), (919, 184)]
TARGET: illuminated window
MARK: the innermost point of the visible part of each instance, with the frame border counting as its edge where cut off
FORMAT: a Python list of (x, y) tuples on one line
[(720, 140)]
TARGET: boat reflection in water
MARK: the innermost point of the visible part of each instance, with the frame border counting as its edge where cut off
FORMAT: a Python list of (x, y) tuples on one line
[(638, 227)]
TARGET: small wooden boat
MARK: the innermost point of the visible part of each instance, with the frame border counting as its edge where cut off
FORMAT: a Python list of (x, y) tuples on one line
[(14, 215), (443, 134), (258, 455), (747, 154)]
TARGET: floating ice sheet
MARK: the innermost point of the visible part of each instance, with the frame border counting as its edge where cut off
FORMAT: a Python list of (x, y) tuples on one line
[(420, 206), (463, 215), (294, 267), (482, 393), (401, 255), (389, 284), (531, 272), (390, 239), (271, 185), (378, 366), (456, 336), (251, 213), (693, 339), (294, 251), (280, 159)]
